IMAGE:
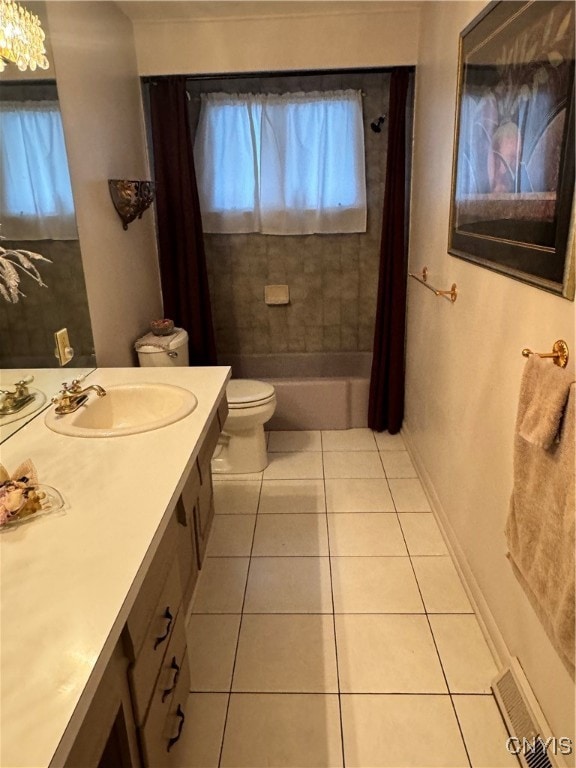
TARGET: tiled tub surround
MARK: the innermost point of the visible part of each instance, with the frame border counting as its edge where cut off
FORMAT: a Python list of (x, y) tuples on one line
[(330, 626), (332, 278)]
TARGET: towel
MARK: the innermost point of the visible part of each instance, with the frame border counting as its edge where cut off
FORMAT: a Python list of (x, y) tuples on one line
[(540, 525), (545, 388), (151, 340)]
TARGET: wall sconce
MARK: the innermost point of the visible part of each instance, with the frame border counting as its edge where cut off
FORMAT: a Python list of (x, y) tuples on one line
[(131, 198)]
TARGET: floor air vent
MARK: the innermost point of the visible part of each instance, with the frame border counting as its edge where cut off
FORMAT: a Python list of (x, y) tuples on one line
[(523, 718)]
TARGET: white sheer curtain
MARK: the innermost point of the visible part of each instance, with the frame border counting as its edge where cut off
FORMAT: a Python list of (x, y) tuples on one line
[(289, 164), (35, 193)]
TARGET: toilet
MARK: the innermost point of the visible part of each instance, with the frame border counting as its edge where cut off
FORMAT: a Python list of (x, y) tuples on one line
[(242, 445), (163, 351)]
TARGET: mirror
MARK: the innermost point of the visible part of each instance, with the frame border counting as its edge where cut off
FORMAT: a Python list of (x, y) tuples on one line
[(28, 326), (46, 382)]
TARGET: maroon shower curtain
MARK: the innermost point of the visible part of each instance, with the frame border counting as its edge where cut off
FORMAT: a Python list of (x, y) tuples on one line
[(386, 404), (183, 272)]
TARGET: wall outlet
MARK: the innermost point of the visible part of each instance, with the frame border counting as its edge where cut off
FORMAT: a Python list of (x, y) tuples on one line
[(63, 352)]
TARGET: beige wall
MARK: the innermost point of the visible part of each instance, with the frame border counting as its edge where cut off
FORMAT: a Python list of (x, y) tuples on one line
[(336, 40), (463, 372), (99, 92)]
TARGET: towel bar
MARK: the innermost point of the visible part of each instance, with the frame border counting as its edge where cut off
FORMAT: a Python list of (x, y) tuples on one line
[(559, 353), (451, 295)]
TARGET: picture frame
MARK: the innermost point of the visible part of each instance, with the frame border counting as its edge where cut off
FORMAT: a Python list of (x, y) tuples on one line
[(513, 168)]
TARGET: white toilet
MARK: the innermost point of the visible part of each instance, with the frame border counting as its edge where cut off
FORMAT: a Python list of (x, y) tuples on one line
[(163, 351), (242, 445)]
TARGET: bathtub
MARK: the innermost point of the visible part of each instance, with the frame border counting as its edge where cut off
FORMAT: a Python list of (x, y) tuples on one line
[(314, 390)]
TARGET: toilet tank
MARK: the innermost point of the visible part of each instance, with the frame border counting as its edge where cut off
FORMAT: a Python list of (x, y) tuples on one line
[(163, 351)]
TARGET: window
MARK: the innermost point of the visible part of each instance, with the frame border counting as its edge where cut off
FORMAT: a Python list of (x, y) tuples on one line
[(289, 164), (35, 193)]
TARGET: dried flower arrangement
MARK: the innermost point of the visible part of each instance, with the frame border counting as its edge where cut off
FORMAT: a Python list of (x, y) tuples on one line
[(11, 263)]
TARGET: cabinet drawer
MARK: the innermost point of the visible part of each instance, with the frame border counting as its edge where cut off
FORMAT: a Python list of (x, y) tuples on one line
[(144, 611), (164, 735), (169, 675), (144, 671)]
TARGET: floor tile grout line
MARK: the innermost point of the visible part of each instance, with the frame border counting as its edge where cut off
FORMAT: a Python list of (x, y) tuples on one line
[(439, 659), (344, 693), (342, 748), (329, 613), (239, 630)]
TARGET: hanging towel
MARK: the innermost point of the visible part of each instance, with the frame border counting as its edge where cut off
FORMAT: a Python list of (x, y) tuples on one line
[(545, 388), (540, 526)]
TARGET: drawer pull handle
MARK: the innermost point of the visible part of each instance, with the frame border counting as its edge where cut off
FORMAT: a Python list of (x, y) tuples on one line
[(176, 668), (182, 716), (167, 615)]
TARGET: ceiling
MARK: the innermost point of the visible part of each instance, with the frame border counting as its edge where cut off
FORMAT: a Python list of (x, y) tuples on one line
[(202, 10)]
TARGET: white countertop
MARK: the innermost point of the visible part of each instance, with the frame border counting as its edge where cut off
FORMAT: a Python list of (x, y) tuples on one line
[(68, 579)]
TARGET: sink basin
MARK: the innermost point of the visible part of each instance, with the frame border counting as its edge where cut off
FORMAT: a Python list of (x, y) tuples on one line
[(126, 409)]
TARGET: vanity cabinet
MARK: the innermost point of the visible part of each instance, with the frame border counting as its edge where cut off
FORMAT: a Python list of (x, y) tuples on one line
[(139, 714), (197, 495), (159, 674), (156, 645)]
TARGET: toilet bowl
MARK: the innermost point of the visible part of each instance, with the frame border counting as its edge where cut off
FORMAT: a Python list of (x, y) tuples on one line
[(242, 445)]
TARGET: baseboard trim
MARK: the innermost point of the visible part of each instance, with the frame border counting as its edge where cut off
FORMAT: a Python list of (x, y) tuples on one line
[(485, 617)]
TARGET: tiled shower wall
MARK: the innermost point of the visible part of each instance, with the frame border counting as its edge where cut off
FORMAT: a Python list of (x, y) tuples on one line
[(27, 328), (332, 278)]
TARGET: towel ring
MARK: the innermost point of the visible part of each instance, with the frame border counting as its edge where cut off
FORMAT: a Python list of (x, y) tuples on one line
[(559, 354)]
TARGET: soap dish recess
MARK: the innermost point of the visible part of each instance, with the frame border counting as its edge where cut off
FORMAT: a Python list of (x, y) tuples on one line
[(276, 294)]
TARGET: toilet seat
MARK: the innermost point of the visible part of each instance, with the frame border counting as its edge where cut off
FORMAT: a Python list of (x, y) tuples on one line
[(248, 393)]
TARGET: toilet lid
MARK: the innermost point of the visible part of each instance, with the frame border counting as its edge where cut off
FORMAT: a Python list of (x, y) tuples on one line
[(241, 392)]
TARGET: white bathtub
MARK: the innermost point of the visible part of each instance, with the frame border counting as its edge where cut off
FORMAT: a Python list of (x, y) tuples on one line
[(314, 390)]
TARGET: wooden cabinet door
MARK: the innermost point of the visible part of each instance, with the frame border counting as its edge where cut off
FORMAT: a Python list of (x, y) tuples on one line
[(107, 737)]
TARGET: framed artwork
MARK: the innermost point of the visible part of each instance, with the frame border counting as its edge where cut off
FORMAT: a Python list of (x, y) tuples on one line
[(513, 173)]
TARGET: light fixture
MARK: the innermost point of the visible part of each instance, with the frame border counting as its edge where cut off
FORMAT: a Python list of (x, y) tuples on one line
[(21, 37), (130, 198)]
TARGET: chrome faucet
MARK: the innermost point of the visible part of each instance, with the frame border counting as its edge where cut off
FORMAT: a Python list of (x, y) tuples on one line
[(12, 402), (72, 396)]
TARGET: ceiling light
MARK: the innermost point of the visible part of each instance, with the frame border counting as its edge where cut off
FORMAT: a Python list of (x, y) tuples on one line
[(21, 37)]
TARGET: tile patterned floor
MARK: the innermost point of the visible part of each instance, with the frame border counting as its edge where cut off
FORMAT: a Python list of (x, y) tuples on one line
[(329, 625)]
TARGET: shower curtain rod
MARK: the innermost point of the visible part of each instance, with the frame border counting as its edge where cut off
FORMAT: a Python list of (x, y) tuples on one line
[(280, 73)]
